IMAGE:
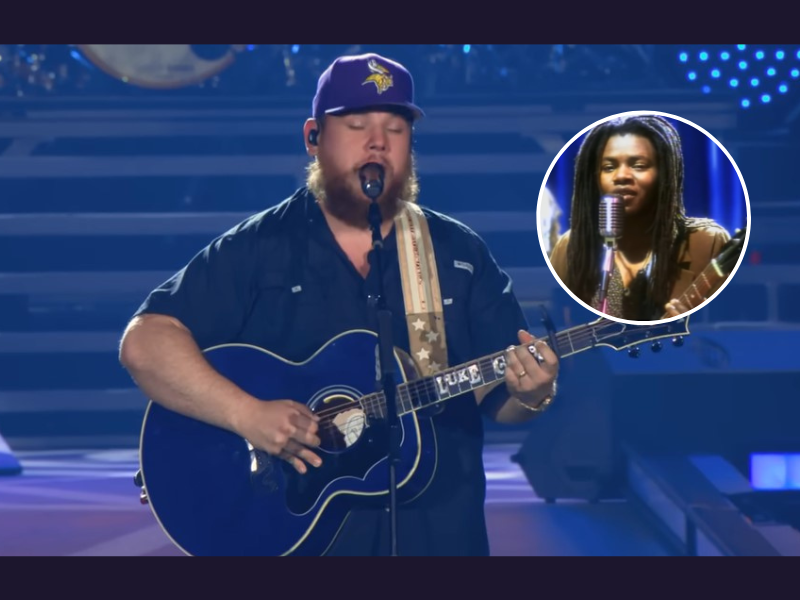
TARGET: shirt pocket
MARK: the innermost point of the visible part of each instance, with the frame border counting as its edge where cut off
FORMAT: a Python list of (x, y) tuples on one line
[(455, 285), (271, 317), (311, 313)]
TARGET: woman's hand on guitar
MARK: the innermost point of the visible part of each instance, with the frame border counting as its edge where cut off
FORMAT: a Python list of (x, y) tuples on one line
[(531, 369), (283, 428), (674, 308)]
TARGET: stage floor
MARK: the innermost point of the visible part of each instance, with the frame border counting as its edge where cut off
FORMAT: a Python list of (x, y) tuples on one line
[(84, 503)]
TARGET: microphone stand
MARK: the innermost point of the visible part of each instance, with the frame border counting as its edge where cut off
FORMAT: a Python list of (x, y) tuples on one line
[(606, 269), (385, 354)]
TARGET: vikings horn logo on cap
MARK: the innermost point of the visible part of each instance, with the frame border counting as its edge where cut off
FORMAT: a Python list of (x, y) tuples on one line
[(380, 76)]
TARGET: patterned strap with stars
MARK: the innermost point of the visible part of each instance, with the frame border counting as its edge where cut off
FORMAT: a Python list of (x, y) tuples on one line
[(423, 299)]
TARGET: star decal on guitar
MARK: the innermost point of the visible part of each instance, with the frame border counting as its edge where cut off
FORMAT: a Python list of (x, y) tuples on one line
[(423, 354), (419, 325), (432, 336)]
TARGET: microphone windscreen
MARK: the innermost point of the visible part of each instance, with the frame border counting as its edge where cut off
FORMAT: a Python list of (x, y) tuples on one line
[(371, 175), (612, 212)]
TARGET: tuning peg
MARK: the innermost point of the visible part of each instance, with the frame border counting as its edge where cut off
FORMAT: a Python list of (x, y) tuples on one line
[(656, 347), (677, 341), (633, 352)]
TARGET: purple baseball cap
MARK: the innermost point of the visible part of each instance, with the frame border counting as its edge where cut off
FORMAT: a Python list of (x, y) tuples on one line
[(364, 81)]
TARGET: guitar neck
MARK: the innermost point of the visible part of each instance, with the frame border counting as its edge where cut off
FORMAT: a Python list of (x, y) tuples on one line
[(696, 293), (470, 376)]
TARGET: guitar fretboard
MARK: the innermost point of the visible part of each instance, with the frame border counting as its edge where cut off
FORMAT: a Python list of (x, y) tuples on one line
[(696, 293), (470, 376)]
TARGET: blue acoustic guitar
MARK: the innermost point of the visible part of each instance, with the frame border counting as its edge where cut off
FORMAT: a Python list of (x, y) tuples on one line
[(213, 493)]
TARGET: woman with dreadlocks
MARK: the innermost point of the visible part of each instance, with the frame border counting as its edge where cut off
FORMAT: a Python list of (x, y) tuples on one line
[(661, 251)]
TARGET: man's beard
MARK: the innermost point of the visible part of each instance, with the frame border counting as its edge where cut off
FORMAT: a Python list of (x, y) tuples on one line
[(337, 195)]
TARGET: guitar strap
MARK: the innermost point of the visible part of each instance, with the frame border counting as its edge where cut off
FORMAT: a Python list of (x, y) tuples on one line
[(423, 300)]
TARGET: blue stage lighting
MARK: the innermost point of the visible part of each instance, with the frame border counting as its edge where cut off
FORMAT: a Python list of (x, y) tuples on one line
[(692, 75), (725, 55), (734, 82), (795, 73), (683, 56), (760, 54), (706, 89), (704, 55), (771, 72), (766, 98), (745, 102), (741, 46), (783, 88), (742, 64), (754, 82), (780, 54), (775, 471), (295, 48), (467, 48), (715, 73)]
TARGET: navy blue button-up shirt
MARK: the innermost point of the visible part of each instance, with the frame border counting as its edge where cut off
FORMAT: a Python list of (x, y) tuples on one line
[(280, 281)]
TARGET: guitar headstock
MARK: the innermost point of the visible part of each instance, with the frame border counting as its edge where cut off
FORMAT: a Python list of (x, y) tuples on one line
[(621, 335), (730, 252)]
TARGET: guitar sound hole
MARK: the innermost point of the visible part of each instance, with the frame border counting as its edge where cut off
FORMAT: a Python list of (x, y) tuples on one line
[(342, 423)]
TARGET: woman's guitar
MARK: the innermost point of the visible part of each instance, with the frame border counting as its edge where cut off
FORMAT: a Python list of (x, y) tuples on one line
[(214, 494), (715, 273)]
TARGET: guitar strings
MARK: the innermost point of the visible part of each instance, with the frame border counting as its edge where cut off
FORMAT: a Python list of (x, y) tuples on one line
[(584, 333), (427, 386), (405, 392)]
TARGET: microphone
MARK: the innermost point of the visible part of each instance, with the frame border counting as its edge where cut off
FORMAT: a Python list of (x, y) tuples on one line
[(371, 175), (612, 213)]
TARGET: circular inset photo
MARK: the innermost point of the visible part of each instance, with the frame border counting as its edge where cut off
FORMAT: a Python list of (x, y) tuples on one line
[(643, 217)]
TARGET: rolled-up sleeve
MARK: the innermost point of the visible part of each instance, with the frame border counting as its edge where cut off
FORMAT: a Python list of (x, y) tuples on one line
[(212, 294)]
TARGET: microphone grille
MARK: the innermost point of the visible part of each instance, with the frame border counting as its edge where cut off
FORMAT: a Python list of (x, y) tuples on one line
[(371, 175), (612, 212)]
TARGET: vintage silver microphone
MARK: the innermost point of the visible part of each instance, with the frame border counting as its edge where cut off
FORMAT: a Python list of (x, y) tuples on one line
[(612, 212)]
